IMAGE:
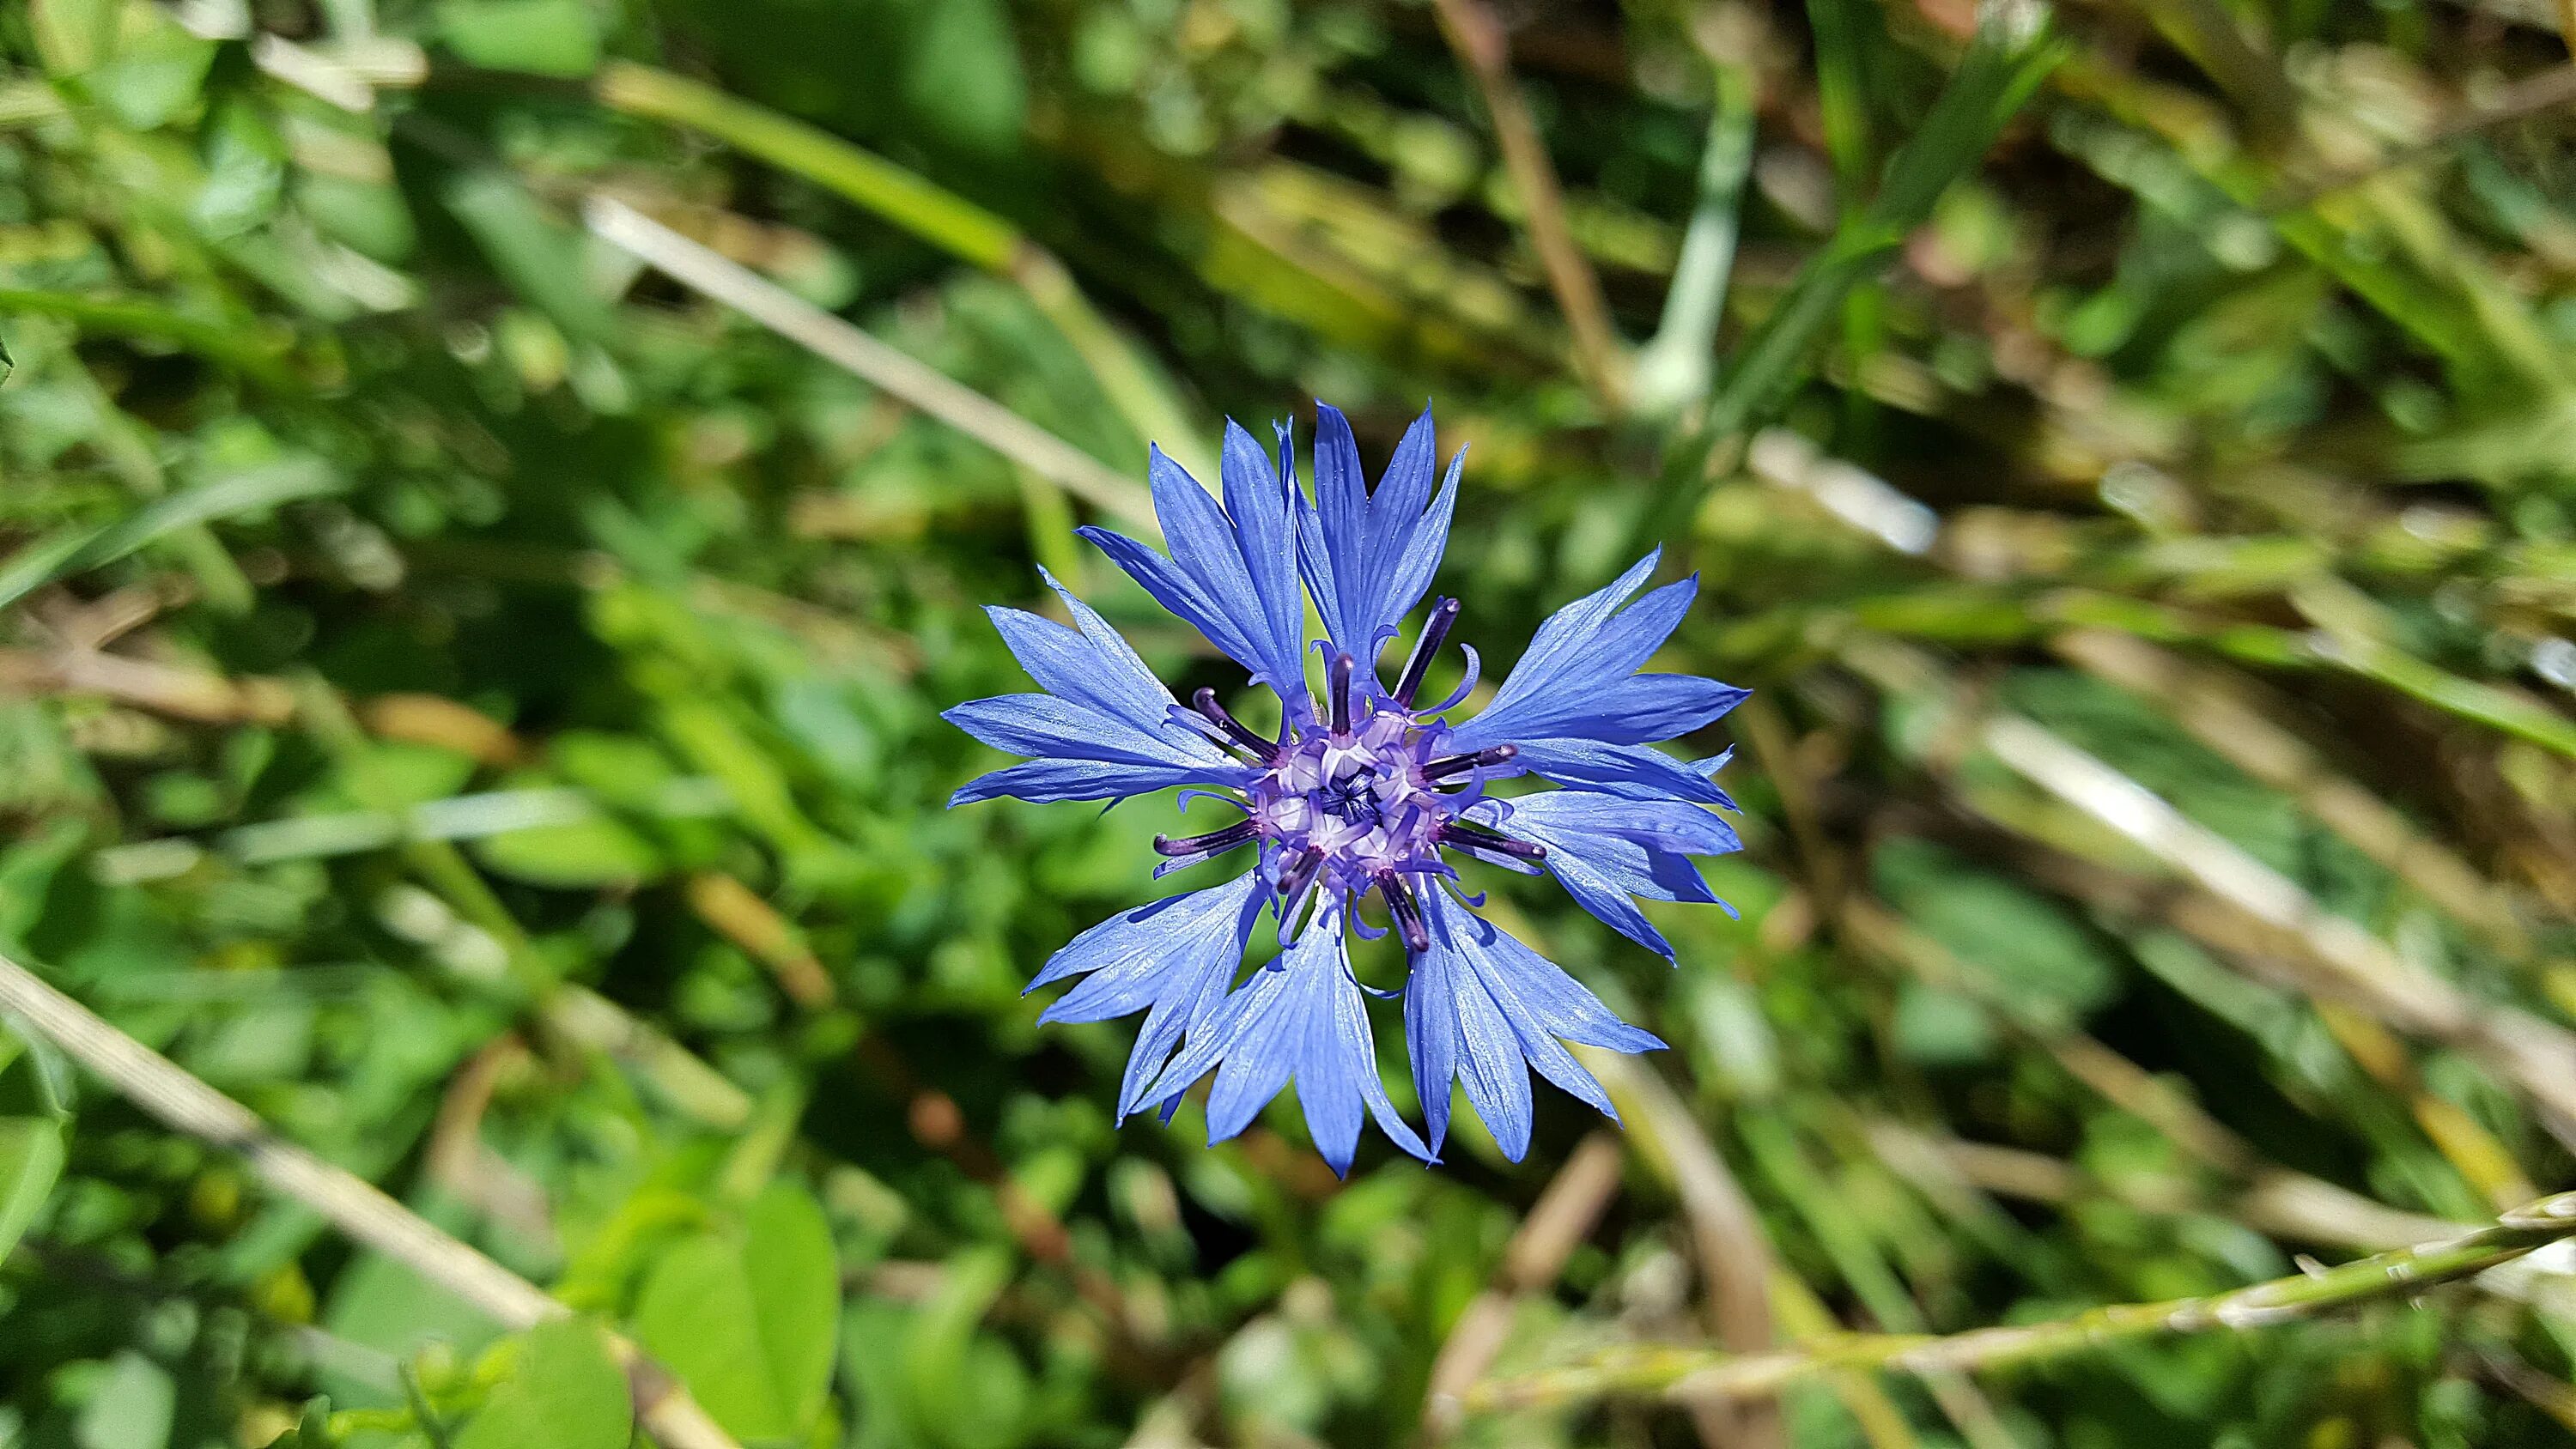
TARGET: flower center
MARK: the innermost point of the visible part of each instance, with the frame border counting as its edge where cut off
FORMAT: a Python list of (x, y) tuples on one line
[(1358, 799), (1360, 795)]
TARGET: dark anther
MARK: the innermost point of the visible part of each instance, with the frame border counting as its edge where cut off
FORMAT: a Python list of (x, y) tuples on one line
[(1235, 729), (1461, 764), (1209, 844), (1339, 676), (1482, 839), (1406, 911), (1434, 630), (1293, 882)]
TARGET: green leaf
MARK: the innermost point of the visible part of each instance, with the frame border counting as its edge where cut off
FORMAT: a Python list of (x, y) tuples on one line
[(157, 72), (384, 1305), (747, 1318), (964, 76), (536, 37), (132, 1408), (72, 35), (245, 172), (572, 857), (1941, 1028), (312, 1430), (537, 255), (251, 489), (565, 1392), (31, 1158)]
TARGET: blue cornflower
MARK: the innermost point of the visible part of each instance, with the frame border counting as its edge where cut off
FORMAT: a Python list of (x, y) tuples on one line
[(1363, 791)]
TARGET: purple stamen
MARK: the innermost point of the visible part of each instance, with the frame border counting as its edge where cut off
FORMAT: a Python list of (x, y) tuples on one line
[(1480, 838), (1212, 843), (1293, 881), (1461, 764), (1338, 675), (1407, 912), (1434, 630), (1263, 750)]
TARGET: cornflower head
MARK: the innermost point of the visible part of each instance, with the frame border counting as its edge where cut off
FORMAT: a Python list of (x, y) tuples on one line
[(1363, 791)]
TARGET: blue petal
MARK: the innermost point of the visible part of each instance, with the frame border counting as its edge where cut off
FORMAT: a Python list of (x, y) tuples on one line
[(1455, 1031), (1479, 1004), (1369, 559), (1104, 732), (1302, 1018), (1044, 727), (1090, 664), (1172, 960), (1578, 679), (1662, 825), (1047, 781), (1256, 496), (1619, 710), (1233, 577), (1605, 848), (1637, 771)]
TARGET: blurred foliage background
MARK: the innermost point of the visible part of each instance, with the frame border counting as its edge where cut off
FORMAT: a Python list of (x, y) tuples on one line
[(472, 697)]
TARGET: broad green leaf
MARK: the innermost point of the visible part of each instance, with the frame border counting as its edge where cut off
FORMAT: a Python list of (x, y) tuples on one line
[(590, 853), (31, 1158), (245, 172), (132, 1408), (746, 1317), (565, 1392), (538, 37), (1941, 1028), (2016, 941), (386, 1306)]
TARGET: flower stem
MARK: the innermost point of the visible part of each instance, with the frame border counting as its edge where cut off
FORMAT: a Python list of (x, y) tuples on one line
[(1690, 1372)]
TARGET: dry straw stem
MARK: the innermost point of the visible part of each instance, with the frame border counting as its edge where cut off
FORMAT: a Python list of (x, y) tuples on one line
[(2306, 1208), (2350, 962), (2218, 711), (1691, 1373), (930, 212), (2278, 1204), (1477, 35), (353, 1205), (704, 271), (164, 689)]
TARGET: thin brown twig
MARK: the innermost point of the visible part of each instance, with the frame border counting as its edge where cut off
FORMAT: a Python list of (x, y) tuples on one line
[(460, 1160), (355, 1206), (1734, 1254), (734, 911), (1557, 1223), (164, 689), (939, 1124), (1476, 34), (2131, 1088)]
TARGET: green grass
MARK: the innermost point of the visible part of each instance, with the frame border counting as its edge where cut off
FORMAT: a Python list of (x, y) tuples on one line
[(474, 700)]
